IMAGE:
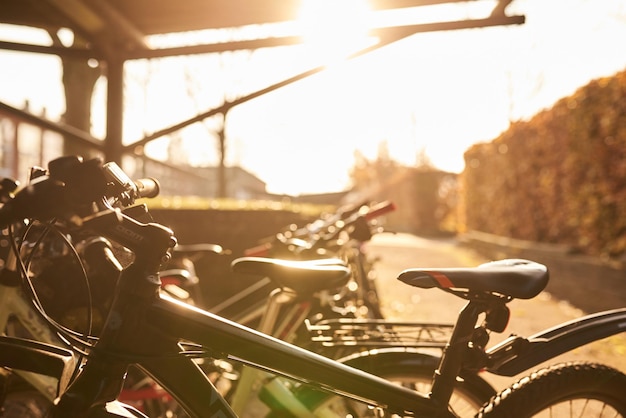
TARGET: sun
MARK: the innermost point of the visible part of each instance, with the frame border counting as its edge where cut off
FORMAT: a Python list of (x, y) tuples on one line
[(332, 30)]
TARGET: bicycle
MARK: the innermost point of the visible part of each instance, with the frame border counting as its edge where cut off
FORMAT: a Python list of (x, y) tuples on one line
[(341, 234), (319, 317), (403, 350), (572, 388), (164, 349), (59, 288), (357, 299), (336, 327), (422, 365)]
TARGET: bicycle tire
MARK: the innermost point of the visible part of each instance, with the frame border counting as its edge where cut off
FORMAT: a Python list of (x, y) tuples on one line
[(579, 388), (470, 394)]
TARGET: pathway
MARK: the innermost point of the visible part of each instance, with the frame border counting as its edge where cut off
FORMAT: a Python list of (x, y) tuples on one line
[(400, 251)]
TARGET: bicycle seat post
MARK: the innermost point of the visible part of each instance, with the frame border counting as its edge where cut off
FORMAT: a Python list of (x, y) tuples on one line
[(455, 352), (277, 299)]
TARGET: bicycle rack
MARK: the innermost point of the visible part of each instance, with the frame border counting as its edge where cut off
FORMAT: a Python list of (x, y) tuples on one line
[(378, 333)]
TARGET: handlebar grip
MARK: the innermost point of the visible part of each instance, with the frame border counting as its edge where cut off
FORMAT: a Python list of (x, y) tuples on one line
[(379, 210), (147, 187)]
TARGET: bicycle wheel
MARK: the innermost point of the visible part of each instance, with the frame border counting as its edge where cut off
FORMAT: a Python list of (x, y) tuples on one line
[(406, 369), (564, 390)]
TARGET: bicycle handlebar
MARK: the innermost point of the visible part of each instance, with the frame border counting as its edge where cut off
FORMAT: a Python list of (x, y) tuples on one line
[(71, 187), (147, 187), (379, 210), (319, 233), (358, 219), (43, 199)]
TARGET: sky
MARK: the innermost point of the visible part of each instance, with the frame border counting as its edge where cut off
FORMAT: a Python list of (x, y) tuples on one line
[(437, 93)]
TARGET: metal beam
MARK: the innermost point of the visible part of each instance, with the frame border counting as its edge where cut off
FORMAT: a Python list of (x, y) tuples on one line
[(72, 52), (497, 20), (61, 128), (386, 35), (113, 149)]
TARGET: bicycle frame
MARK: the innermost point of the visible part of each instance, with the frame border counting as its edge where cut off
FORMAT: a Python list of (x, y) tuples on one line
[(46, 367), (269, 354), (410, 335), (158, 354), (146, 328), (14, 304)]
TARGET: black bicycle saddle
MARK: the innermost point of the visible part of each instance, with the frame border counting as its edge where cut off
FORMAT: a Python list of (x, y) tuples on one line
[(517, 278)]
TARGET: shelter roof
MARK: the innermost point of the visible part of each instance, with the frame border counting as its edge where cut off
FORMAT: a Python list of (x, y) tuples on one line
[(114, 31), (118, 28)]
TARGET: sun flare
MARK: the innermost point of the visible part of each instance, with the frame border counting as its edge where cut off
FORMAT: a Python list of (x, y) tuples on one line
[(334, 29)]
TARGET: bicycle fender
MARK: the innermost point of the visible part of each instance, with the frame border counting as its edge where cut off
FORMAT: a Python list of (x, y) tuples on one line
[(37, 357), (516, 354)]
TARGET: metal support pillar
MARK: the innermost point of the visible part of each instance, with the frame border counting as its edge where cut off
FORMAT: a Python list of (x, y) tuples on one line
[(113, 148)]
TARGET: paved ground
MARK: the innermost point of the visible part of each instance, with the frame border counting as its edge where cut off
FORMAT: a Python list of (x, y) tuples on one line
[(400, 251)]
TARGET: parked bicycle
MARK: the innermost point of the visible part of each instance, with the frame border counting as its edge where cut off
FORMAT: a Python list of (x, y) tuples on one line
[(565, 389), (342, 234), (323, 317), (351, 337), (163, 336), (334, 313)]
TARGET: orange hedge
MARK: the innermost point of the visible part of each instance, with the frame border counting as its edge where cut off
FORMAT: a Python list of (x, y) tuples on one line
[(558, 178)]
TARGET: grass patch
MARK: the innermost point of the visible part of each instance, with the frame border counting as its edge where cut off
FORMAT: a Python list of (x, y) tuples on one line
[(202, 203)]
